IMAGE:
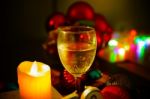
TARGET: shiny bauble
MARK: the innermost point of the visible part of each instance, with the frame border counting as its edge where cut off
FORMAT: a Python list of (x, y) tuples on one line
[(55, 20), (114, 92), (100, 23), (80, 10)]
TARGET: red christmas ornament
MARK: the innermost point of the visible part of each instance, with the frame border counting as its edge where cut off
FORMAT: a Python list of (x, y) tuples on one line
[(108, 34), (103, 28), (80, 10), (103, 38), (69, 78), (100, 23), (106, 37), (55, 21), (99, 39), (114, 92)]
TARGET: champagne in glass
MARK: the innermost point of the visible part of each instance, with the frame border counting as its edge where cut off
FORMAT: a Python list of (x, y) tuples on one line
[(76, 48), (77, 57)]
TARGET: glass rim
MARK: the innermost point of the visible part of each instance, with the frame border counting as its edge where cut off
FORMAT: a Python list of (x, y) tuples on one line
[(83, 29)]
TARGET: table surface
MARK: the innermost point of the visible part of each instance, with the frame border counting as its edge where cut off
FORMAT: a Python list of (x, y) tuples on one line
[(15, 94)]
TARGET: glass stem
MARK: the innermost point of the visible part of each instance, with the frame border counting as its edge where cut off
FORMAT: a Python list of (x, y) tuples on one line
[(78, 85)]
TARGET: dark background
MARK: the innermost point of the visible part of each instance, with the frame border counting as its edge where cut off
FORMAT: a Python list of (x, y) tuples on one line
[(22, 35), (23, 27)]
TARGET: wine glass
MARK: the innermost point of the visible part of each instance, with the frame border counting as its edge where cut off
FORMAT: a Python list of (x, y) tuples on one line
[(76, 48)]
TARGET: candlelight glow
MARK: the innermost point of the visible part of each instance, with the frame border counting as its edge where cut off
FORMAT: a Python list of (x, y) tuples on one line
[(34, 69), (34, 79), (37, 71), (45, 68)]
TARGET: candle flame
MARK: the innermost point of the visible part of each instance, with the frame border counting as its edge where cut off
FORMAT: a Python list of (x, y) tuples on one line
[(34, 69)]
